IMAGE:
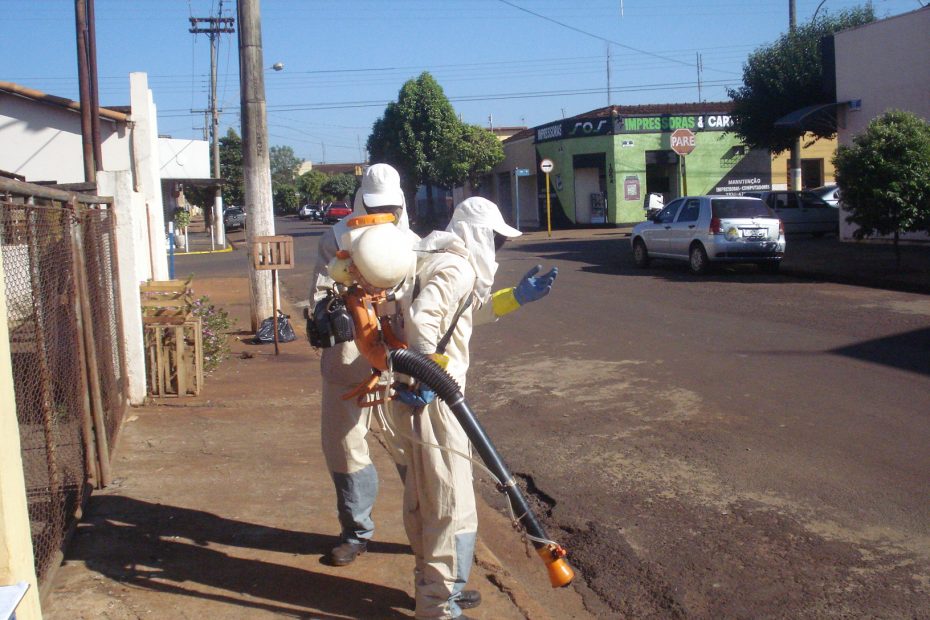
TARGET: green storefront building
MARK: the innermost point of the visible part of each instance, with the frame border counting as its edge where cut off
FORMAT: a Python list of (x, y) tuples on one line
[(608, 161)]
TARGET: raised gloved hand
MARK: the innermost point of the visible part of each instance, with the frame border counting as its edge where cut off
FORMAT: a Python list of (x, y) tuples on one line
[(533, 287), (415, 397)]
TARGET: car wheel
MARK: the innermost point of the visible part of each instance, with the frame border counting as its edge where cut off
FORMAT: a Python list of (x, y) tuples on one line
[(640, 254), (770, 266), (697, 259)]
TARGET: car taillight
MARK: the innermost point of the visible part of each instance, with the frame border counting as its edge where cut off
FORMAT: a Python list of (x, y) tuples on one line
[(715, 225), (781, 228)]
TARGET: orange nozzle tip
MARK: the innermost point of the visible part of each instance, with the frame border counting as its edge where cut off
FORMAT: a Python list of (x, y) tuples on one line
[(370, 220), (560, 573), (342, 254)]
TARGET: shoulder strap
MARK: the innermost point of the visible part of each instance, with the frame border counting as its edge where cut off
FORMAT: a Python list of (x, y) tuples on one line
[(444, 341)]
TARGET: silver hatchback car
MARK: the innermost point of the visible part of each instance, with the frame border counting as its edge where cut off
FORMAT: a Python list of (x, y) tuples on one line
[(707, 229)]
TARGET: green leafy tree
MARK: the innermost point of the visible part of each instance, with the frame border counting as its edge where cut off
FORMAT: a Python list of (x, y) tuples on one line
[(284, 164), (231, 168), (286, 198), (340, 186), (787, 76), (473, 153), (310, 185), (884, 178), (413, 132)]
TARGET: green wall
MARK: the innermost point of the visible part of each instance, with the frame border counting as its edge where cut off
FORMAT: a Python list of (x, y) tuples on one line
[(714, 154)]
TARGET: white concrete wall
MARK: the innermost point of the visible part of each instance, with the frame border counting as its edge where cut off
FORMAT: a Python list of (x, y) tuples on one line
[(42, 142), (145, 169), (183, 159), (130, 231), (886, 65), (16, 556)]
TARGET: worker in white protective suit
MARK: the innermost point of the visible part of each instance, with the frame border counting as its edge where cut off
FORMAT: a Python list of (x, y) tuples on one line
[(455, 273), (344, 424)]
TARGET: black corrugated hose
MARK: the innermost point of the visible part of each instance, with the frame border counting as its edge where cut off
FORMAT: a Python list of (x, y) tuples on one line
[(427, 371)]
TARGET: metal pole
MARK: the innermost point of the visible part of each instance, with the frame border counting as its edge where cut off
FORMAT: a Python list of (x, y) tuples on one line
[(794, 181), (256, 162), (548, 208), (96, 397), (80, 18), (516, 187), (94, 87)]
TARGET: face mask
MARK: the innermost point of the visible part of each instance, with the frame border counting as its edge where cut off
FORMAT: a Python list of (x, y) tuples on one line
[(499, 241)]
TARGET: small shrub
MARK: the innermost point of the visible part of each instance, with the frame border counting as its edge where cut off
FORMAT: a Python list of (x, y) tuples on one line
[(214, 324)]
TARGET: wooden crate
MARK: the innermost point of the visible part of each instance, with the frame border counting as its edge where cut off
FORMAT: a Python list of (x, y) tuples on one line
[(166, 301), (174, 358)]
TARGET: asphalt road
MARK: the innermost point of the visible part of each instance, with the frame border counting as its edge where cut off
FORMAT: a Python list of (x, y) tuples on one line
[(735, 445)]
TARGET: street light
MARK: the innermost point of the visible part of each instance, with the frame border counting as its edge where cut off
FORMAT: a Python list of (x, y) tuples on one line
[(817, 9), (279, 66)]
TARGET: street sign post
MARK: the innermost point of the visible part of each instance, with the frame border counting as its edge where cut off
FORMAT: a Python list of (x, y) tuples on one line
[(518, 172), (547, 166), (682, 142)]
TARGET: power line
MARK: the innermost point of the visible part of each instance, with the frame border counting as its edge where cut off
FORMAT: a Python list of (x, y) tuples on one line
[(597, 36)]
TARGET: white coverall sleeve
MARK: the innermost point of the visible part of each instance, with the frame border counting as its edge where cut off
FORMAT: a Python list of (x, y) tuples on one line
[(320, 282), (483, 313), (439, 298)]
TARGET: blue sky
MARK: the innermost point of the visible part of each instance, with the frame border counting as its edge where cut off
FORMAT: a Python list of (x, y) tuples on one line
[(506, 62)]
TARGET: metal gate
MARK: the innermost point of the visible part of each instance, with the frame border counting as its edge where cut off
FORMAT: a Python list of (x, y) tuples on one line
[(62, 295)]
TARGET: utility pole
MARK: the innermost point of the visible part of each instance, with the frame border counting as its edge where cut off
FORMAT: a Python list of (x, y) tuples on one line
[(256, 161), (608, 75), (700, 68), (794, 180), (213, 27), (87, 111)]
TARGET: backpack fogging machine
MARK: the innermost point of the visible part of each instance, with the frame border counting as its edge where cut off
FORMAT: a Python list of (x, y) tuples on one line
[(378, 260)]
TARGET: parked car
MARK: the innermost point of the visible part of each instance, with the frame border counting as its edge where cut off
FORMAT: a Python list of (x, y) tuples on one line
[(708, 229), (310, 212), (234, 218), (829, 193), (336, 212), (801, 212)]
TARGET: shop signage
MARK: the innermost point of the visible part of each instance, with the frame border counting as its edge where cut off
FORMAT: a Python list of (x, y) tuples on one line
[(682, 141), (583, 127), (552, 131), (659, 123)]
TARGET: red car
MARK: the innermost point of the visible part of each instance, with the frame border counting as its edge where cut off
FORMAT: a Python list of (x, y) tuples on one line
[(336, 212)]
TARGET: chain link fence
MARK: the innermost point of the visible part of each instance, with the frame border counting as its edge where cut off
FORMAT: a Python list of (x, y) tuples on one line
[(51, 281)]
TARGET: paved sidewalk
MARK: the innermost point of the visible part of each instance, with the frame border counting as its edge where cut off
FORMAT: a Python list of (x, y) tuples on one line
[(221, 507)]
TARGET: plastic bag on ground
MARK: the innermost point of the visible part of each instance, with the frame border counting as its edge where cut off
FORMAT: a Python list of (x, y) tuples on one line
[(265, 331)]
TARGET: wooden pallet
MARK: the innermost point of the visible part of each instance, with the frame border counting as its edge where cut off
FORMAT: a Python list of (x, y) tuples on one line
[(174, 358), (167, 302)]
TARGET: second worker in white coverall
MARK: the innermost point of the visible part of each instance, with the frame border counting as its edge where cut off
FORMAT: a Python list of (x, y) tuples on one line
[(455, 274), (344, 425)]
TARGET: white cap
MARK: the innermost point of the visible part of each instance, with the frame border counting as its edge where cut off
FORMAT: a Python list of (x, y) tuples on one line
[(381, 187), (482, 212)]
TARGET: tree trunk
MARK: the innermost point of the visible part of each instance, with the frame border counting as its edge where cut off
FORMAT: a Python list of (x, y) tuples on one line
[(897, 251)]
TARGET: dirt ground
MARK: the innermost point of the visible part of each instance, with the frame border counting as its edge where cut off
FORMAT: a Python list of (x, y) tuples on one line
[(221, 507)]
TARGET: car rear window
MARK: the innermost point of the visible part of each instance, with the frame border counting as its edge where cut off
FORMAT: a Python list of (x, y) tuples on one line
[(812, 200), (728, 207)]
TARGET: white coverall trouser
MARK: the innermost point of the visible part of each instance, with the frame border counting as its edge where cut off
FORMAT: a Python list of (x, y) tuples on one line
[(440, 515), (344, 426)]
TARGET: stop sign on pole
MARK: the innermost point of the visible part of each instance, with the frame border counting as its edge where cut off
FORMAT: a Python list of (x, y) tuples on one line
[(682, 141)]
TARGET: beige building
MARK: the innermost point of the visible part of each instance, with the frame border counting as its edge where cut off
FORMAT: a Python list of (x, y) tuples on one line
[(882, 66)]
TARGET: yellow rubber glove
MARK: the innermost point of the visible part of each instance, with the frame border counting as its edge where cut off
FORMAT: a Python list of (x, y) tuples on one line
[(439, 358), (504, 301)]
